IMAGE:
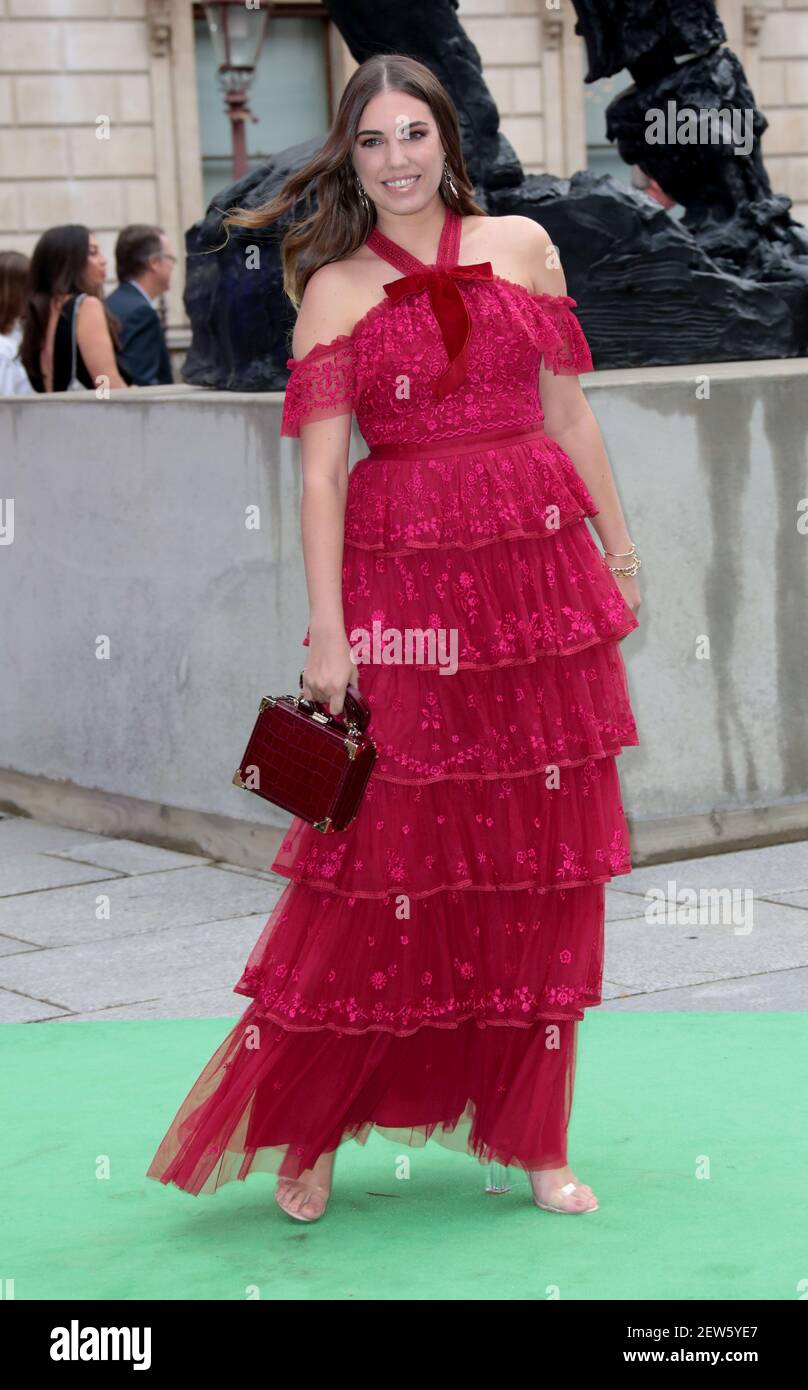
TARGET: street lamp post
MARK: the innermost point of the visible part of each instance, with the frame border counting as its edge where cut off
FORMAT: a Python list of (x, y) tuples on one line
[(237, 31)]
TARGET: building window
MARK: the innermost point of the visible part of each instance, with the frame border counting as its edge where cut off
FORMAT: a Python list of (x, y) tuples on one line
[(601, 154), (290, 93)]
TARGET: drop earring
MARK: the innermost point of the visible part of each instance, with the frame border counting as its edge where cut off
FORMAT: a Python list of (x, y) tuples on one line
[(447, 176), (363, 197)]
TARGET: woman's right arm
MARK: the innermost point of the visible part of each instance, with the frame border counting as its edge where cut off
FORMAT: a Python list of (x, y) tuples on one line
[(95, 343), (324, 447)]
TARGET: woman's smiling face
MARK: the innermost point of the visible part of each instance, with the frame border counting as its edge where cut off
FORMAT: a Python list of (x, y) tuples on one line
[(397, 152)]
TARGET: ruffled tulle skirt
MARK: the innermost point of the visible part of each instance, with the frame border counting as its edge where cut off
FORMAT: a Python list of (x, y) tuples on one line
[(425, 971), (273, 1100)]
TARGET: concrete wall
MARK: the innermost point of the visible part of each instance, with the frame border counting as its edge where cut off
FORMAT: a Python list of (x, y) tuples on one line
[(130, 524)]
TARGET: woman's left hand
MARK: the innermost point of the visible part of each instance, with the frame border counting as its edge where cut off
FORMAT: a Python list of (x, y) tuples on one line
[(630, 590)]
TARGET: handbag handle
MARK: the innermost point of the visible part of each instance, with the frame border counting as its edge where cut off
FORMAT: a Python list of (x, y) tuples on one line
[(356, 708)]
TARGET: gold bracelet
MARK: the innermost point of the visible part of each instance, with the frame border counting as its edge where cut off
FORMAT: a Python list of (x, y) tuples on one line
[(629, 570), (620, 554)]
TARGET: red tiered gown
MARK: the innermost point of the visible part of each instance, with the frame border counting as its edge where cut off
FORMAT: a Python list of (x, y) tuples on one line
[(424, 972)]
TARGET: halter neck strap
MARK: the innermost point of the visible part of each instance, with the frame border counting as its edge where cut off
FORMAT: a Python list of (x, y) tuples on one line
[(448, 247), (440, 281)]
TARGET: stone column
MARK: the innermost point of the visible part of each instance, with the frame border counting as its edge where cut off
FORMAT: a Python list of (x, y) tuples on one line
[(178, 160)]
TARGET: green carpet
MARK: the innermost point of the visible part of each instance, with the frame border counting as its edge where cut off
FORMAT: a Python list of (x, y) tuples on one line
[(659, 1096)]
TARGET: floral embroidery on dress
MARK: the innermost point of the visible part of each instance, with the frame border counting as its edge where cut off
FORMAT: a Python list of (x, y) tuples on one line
[(321, 385), (513, 332), (471, 884)]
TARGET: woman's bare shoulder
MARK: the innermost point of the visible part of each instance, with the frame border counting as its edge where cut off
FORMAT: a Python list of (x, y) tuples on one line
[(90, 312), (325, 309), (335, 298), (523, 244), (547, 276)]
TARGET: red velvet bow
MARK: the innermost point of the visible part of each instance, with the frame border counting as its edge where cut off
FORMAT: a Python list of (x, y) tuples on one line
[(449, 309)]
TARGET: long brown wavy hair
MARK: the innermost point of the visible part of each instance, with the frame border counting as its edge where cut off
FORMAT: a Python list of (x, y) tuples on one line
[(56, 268), (341, 223)]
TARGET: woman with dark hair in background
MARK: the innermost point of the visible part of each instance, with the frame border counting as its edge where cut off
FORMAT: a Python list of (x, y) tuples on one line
[(13, 283), (425, 971), (69, 338)]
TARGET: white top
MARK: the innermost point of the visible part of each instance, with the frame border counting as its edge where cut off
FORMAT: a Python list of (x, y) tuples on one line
[(13, 376)]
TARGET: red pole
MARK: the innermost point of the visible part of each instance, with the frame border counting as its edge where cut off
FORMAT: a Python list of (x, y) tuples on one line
[(237, 111)]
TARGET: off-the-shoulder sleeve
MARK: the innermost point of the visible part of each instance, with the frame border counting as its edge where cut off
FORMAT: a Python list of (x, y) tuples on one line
[(321, 385), (564, 345)]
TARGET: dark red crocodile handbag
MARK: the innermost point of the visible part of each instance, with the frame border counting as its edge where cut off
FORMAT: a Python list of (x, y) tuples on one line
[(309, 761)]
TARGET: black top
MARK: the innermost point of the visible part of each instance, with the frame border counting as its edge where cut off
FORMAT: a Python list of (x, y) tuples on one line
[(63, 355)]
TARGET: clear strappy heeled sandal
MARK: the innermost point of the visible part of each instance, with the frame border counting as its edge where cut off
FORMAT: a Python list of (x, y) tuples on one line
[(311, 1189), (497, 1179), (568, 1190)]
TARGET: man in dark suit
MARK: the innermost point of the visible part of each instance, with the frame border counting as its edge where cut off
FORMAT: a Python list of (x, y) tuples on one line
[(144, 261)]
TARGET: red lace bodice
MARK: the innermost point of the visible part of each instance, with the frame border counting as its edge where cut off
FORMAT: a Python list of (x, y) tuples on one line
[(451, 351)]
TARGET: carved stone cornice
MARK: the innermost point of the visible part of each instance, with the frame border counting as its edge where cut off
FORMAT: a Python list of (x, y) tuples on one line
[(552, 32), (158, 14), (754, 17)]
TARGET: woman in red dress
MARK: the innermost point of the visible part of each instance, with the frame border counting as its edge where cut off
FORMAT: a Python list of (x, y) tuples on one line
[(424, 972)]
